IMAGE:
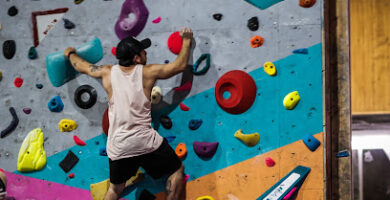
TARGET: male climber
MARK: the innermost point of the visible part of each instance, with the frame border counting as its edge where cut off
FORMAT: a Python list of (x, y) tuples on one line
[(132, 142)]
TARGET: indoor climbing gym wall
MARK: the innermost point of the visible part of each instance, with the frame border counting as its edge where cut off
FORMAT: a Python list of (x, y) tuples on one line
[(246, 118)]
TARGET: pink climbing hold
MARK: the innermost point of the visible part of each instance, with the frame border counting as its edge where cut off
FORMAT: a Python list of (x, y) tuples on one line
[(183, 107), (269, 162), (186, 177), (18, 82), (71, 175), (78, 141), (187, 86), (113, 51), (157, 20), (27, 110)]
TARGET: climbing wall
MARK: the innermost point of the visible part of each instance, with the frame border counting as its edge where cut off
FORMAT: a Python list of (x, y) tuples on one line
[(235, 171)]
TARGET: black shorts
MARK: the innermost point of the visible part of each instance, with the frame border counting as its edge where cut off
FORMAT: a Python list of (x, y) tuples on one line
[(162, 161)]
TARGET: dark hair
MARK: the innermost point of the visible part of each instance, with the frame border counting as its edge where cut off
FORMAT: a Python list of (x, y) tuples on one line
[(127, 49)]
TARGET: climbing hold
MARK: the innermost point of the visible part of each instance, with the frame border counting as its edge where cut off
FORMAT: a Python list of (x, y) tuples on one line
[(311, 142), (157, 20), (205, 149), (257, 41), (301, 51), (205, 198), (307, 3), (39, 86), (197, 63), (103, 151), (71, 175), (55, 104), (59, 68), (32, 156), (170, 138), (32, 53), (217, 16), (181, 150), (27, 110), (242, 89), (183, 107), (80, 101), (78, 141), (156, 95), (263, 4), (78, 1), (9, 48), (12, 11), (291, 100), (68, 24), (270, 68), (186, 87), (186, 177), (195, 124), (166, 122), (1, 26), (146, 195), (18, 82), (253, 24), (175, 42), (113, 51), (269, 162), (12, 125), (1, 75), (69, 161), (105, 122), (126, 26), (344, 153), (248, 139), (166, 61)]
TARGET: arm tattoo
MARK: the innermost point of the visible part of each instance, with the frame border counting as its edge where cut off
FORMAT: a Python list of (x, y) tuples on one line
[(95, 68), (74, 64), (169, 187)]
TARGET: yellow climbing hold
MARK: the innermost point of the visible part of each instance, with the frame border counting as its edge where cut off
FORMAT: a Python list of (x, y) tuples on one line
[(99, 190), (270, 68), (67, 125), (291, 100), (32, 156), (248, 139), (205, 198)]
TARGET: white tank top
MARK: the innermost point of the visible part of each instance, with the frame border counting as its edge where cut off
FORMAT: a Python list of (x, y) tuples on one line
[(130, 132)]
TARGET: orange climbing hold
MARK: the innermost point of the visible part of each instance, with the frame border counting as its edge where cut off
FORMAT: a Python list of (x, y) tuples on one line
[(181, 150), (78, 141), (257, 41), (183, 107), (307, 3)]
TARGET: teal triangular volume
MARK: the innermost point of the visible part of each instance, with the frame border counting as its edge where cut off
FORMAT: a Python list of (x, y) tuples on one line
[(263, 4)]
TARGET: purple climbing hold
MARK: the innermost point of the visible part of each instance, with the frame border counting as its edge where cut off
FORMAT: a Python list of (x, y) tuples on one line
[(125, 26), (205, 149), (27, 110)]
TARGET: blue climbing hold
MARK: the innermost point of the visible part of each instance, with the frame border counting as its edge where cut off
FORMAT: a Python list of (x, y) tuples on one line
[(102, 151), (55, 104), (170, 138), (32, 53), (344, 153), (195, 124), (311, 142), (301, 51)]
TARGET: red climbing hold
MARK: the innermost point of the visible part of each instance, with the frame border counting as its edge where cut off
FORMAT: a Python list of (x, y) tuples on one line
[(157, 20), (269, 162), (307, 3), (187, 86), (71, 175), (175, 42), (1, 170), (183, 107), (18, 82), (242, 89), (113, 51), (105, 122), (78, 141)]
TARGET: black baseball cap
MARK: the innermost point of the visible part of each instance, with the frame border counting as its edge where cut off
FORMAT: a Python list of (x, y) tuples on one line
[(128, 48)]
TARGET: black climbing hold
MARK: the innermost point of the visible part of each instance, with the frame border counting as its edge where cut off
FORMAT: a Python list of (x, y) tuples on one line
[(32, 53), (91, 99), (146, 195), (253, 24), (217, 16), (12, 11), (166, 122), (9, 49), (12, 125), (39, 86), (69, 161), (68, 24), (195, 124)]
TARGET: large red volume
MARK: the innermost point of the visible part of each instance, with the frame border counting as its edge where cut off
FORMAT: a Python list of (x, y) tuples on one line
[(105, 122)]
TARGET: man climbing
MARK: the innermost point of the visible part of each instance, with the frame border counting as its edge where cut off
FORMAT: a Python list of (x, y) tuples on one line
[(132, 142)]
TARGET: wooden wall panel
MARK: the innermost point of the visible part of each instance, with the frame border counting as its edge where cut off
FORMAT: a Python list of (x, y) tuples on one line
[(370, 56)]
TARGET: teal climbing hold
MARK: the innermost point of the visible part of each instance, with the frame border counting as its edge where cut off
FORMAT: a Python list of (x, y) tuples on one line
[(59, 68), (263, 4), (203, 57), (32, 53)]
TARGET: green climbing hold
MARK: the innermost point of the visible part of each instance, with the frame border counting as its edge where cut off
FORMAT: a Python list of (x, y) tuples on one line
[(32, 53), (78, 1), (197, 63)]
